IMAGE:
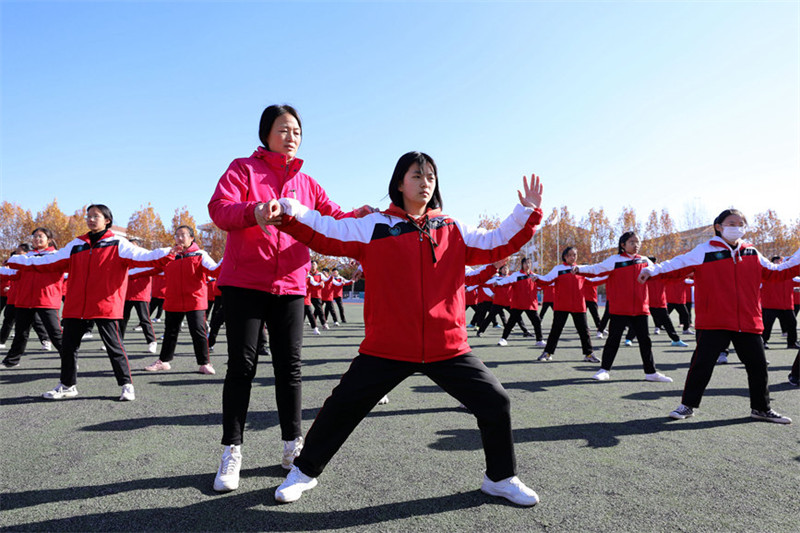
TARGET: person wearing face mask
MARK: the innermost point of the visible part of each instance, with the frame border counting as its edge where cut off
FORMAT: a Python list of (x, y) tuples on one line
[(728, 273), (187, 296), (629, 305)]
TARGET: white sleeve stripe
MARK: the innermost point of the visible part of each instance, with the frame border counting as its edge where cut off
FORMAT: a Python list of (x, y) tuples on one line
[(346, 230), (483, 239)]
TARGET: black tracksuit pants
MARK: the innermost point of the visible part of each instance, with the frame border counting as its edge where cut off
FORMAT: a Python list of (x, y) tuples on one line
[(559, 319), (788, 324), (74, 328), (196, 320), (515, 316), (25, 318), (143, 312), (615, 330)]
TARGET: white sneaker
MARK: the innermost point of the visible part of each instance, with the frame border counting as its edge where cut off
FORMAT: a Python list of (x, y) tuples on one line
[(384, 400), (502, 342), (316, 331), (602, 375), (158, 366), (128, 394), (656, 331), (137, 328), (336, 324), (207, 369), (152, 347), (87, 335), (61, 392), (325, 326), (2, 346), (47, 345), (295, 484), (512, 489), (599, 334), (541, 343), (291, 449), (228, 474), (722, 359), (658, 376)]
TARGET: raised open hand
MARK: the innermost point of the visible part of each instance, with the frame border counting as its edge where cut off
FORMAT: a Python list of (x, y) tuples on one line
[(531, 195)]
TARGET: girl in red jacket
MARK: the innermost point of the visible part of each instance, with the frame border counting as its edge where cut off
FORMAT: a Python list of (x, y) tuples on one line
[(776, 303), (8, 277), (629, 305), (98, 264), (187, 296), (523, 300), (728, 273), (568, 301), (414, 257), (38, 294)]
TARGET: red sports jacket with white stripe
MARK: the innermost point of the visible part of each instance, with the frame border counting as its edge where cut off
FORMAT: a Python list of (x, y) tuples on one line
[(727, 283), (187, 280), (627, 296), (415, 267), (98, 274)]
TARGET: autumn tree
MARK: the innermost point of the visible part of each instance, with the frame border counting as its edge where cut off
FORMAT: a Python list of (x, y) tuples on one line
[(601, 234), (627, 221), (146, 225), (15, 228), (488, 222), (76, 225), (770, 235), (52, 218), (183, 218), (215, 240)]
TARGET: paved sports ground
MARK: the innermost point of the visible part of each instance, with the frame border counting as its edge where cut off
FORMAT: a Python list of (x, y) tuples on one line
[(602, 456)]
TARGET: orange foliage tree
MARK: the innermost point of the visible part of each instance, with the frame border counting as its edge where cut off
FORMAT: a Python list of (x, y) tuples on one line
[(183, 218), (146, 225), (52, 218), (215, 240), (15, 228), (771, 235), (601, 235)]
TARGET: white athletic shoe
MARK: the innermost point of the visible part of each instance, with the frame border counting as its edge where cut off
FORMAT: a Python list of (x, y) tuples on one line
[(540, 343), (295, 484), (602, 375), (137, 328), (722, 359), (336, 324), (2, 346), (228, 474), (384, 400), (512, 489), (61, 392), (599, 334), (152, 347), (207, 369), (291, 449), (47, 345), (158, 366), (87, 335), (316, 331), (502, 342), (658, 376), (128, 394), (325, 326), (656, 331)]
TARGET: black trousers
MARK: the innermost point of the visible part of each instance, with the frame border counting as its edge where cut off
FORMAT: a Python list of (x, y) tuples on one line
[(481, 310), (615, 330), (217, 319), (330, 311), (592, 308), (157, 304), (788, 324), (796, 366), (559, 319), (515, 316), (683, 314), (661, 320), (245, 311), (24, 320), (544, 308), (369, 378), (750, 349), (606, 317), (9, 319), (309, 314), (319, 313), (494, 311), (143, 312), (74, 328), (339, 304), (196, 320)]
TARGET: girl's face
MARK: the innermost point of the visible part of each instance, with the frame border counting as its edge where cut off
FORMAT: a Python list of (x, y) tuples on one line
[(313, 267), (631, 246), (95, 220), (183, 238), (731, 221), (417, 188), (40, 240), (285, 135), (571, 257)]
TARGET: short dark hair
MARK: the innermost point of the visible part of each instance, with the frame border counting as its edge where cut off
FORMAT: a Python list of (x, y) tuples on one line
[(25, 247), (400, 169), (775, 258), (625, 237), (191, 231), (566, 251), (51, 239), (653, 259), (725, 214), (268, 118), (105, 211)]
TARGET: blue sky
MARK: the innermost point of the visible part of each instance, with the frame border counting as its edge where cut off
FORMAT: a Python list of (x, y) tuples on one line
[(685, 106)]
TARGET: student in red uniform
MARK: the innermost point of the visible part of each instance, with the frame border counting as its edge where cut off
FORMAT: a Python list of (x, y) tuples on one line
[(414, 257), (187, 296), (327, 296), (98, 264), (7, 278), (568, 301), (776, 302), (676, 301), (501, 300), (38, 295), (796, 295), (590, 297), (727, 272), (158, 291), (629, 306), (523, 300), (314, 286), (548, 296), (339, 284), (138, 297)]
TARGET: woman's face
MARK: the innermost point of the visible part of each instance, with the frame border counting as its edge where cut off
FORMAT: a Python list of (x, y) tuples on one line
[(571, 257), (40, 240), (95, 220), (631, 246), (183, 238), (417, 187), (285, 135)]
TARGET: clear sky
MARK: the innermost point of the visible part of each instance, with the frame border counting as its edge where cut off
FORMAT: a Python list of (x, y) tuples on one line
[(649, 104)]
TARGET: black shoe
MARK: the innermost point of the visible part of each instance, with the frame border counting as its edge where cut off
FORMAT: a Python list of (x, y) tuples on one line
[(770, 416), (9, 365), (794, 380), (264, 350), (527, 334)]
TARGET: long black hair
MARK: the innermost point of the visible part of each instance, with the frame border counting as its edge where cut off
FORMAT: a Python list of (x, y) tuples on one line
[(625, 237), (268, 118), (400, 169), (105, 211)]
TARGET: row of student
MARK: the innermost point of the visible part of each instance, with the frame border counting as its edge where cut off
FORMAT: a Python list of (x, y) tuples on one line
[(324, 288)]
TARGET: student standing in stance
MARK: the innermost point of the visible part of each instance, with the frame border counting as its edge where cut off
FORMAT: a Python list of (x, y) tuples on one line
[(523, 300), (728, 273), (414, 257)]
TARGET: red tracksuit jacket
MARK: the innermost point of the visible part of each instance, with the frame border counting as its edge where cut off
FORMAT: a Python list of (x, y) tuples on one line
[(187, 280), (627, 296), (568, 288)]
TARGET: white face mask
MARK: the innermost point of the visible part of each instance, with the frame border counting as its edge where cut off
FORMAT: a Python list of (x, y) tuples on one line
[(732, 233)]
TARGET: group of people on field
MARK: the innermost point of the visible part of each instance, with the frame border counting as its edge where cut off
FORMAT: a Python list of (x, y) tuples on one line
[(413, 258)]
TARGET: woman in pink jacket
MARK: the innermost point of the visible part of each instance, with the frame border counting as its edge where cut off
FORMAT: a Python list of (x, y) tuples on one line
[(263, 280)]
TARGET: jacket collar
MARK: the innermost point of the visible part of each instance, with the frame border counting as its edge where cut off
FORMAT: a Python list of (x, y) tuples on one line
[(108, 234), (395, 211), (719, 242), (193, 248), (278, 161)]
